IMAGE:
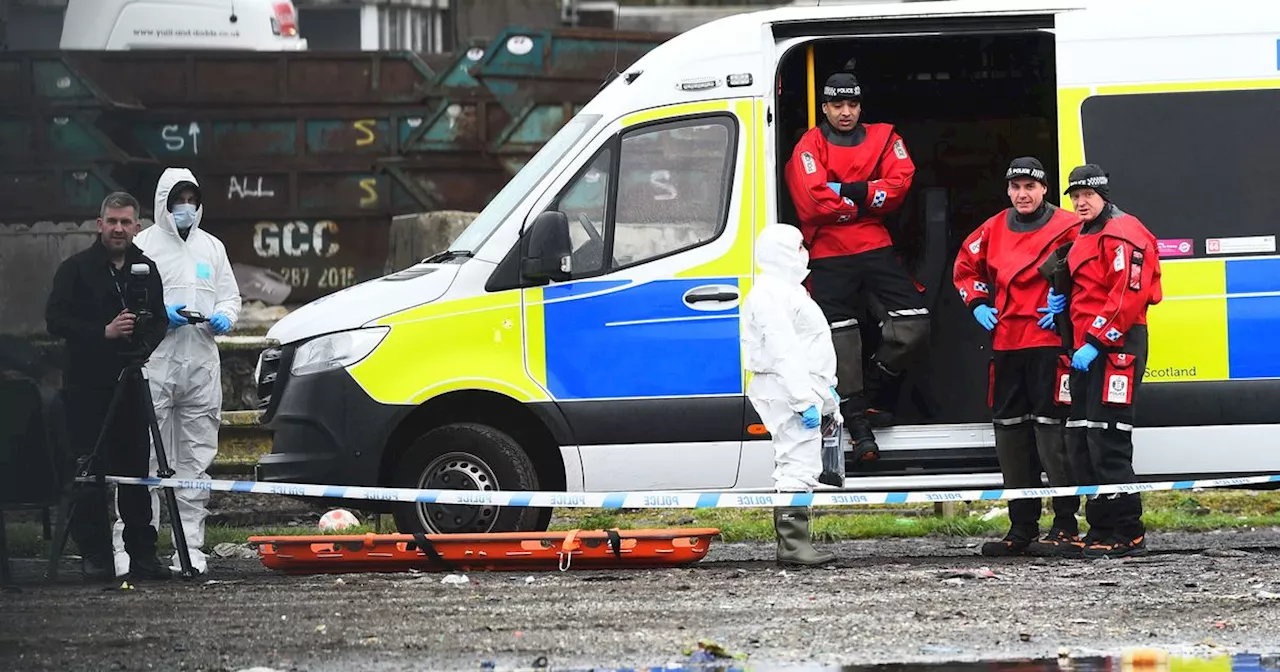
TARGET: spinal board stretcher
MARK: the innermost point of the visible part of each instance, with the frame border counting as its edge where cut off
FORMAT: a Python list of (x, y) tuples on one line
[(503, 551)]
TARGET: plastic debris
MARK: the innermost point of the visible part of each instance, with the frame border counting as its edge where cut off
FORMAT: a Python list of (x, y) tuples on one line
[(708, 650), (455, 579), (978, 573)]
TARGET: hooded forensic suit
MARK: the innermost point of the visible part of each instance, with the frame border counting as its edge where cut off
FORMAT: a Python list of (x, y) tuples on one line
[(185, 370), (787, 347)]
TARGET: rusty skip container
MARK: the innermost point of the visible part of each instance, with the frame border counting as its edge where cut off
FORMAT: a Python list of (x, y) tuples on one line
[(303, 157)]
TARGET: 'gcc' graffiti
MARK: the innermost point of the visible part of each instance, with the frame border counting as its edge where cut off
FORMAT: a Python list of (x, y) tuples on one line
[(295, 239)]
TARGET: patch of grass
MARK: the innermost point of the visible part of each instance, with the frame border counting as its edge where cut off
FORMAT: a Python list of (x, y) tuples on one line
[(1185, 511)]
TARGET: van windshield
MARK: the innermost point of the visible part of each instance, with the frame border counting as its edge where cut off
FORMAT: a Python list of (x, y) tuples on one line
[(501, 206)]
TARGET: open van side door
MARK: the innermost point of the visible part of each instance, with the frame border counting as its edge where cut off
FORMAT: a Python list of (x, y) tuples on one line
[(944, 436)]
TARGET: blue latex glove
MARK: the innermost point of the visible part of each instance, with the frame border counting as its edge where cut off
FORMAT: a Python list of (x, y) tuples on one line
[(835, 395), (1045, 322), (221, 323), (176, 320), (1057, 302), (1084, 357), (811, 418), (986, 316)]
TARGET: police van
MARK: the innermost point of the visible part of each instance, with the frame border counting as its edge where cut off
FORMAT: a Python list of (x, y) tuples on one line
[(582, 333)]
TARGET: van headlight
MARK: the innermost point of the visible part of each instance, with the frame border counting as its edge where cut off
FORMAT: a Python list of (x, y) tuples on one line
[(336, 351)]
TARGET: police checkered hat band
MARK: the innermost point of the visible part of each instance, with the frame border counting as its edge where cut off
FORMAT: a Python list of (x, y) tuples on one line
[(1089, 176), (1026, 166), (841, 86), (834, 93), (1033, 173), (1097, 181)]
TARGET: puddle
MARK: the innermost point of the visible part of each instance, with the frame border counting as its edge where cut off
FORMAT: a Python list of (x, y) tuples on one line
[(1138, 660)]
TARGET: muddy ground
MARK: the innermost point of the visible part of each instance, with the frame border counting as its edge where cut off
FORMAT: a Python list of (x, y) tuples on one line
[(888, 600)]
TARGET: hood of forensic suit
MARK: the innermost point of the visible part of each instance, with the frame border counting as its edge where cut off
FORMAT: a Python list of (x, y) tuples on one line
[(171, 182), (780, 253), (359, 305)]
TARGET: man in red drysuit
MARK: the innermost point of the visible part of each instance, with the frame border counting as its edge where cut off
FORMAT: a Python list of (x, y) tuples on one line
[(844, 177), (1115, 275), (997, 275)]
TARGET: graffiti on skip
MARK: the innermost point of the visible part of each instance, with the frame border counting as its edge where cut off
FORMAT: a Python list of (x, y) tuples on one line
[(295, 239), (248, 187), (175, 140)]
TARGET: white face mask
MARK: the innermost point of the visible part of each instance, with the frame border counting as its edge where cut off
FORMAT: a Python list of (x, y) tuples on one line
[(184, 215)]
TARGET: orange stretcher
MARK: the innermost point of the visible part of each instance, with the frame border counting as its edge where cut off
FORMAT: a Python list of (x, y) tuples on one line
[(502, 551)]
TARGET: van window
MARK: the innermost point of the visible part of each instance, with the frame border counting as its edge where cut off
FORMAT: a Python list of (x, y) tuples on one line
[(585, 202), (1216, 148), (651, 192), (498, 209), (674, 180)]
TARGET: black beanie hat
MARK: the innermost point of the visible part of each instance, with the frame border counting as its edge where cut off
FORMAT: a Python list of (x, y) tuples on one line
[(841, 86), (1090, 176), (1026, 166)]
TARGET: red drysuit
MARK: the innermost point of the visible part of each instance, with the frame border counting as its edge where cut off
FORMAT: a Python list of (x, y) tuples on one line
[(1115, 272), (834, 226), (999, 265)]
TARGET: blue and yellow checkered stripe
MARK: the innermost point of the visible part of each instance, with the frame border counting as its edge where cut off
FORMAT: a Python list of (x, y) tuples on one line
[(1220, 320)]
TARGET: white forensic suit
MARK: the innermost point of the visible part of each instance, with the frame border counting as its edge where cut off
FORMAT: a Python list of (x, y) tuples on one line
[(185, 371), (787, 347)]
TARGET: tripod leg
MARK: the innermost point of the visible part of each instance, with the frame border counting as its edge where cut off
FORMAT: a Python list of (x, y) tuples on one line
[(62, 526), (163, 471), (5, 579)]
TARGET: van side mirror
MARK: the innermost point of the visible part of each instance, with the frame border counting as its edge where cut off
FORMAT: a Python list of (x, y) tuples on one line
[(547, 251)]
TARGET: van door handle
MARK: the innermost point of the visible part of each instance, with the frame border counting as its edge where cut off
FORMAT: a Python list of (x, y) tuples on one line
[(716, 295), (712, 296)]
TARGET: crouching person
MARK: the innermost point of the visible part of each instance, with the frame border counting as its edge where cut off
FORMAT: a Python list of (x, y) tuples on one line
[(787, 348)]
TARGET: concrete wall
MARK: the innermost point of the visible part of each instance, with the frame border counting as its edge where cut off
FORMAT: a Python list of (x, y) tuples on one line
[(415, 237), (29, 256)]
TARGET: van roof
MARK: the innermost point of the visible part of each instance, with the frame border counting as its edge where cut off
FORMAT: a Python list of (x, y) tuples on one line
[(742, 44)]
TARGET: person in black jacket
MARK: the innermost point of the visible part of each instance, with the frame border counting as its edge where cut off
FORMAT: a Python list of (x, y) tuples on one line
[(87, 308)]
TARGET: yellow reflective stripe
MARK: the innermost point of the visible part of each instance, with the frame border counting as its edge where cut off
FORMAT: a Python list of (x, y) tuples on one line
[(736, 261), (1184, 87), (1070, 136), (474, 343), (677, 110)]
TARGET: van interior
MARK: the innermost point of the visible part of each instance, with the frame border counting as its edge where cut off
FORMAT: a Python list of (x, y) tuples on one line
[(965, 105)]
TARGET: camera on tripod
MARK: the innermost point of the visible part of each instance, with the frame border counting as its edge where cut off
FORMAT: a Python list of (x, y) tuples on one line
[(137, 301)]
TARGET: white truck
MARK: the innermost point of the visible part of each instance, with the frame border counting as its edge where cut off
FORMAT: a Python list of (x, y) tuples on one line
[(251, 25)]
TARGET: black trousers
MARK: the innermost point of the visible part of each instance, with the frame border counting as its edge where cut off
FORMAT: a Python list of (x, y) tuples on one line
[(837, 285), (125, 452), (1029, 419), (1100, 433)]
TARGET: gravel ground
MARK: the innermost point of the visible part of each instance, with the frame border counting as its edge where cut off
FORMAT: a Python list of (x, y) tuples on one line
[(886, 601)]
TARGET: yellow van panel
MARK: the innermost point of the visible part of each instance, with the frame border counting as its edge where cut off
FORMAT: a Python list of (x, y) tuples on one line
[(465, 344), (1190, 338), (1189, 327)]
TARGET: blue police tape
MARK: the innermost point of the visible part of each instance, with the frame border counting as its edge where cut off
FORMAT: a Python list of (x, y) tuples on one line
[(721, 499)]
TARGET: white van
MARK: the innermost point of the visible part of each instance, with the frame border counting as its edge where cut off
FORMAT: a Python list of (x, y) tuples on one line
[(583, 332), (254, 25)]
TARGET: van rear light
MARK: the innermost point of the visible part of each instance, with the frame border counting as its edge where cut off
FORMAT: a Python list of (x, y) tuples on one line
[(285, 22)]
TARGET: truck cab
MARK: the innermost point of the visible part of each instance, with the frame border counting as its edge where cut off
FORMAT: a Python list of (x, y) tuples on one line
[(583, 332), (253, 25)]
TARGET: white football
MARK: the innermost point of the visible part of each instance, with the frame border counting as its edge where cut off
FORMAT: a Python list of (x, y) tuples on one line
[(337, 519)]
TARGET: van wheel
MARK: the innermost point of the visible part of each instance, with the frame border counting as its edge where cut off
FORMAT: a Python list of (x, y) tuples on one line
[(465, 456)]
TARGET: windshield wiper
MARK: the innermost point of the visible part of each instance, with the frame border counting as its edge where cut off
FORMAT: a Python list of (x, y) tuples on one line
[(448, 255)]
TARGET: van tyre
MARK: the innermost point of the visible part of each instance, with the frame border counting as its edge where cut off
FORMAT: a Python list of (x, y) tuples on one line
[(466, 456)]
